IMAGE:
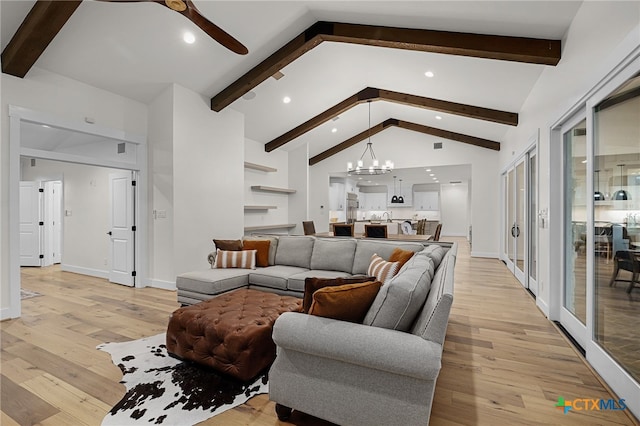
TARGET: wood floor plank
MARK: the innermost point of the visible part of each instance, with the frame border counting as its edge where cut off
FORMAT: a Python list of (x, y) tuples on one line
[(24, 407), (503, 363)]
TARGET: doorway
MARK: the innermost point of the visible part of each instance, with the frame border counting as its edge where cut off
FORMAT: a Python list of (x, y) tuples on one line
[(88, 144), (520, 219)]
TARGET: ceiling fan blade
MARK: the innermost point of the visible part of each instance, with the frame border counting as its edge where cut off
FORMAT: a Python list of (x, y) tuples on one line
[(214, 31)]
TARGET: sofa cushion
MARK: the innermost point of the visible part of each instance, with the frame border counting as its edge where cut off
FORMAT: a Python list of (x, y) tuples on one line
[(273, 245), (296, 282), (274, 276), (244, 259), (399, 301), (213, 281), (348, 302), (381, 269), (366, 248), (312, 284), (435, 252), (333, 254), (262, 248), (295, 251)]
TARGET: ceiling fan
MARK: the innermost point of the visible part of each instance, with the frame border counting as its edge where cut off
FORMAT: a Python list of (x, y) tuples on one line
[(191, 12)]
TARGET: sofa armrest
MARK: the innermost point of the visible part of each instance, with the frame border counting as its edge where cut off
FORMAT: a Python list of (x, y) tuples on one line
[(373, 347), (211, 258)]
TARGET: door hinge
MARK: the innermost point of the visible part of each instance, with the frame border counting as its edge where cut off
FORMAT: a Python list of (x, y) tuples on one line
[(133, 228), (40, 189), (41, 256), (133, 273), (41, 223), (133, 183)]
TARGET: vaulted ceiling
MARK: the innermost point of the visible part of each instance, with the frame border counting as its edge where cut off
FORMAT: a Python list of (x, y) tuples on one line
[(136, 49)]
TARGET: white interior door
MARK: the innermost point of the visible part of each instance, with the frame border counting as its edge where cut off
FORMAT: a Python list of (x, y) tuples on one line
[(30, 229), (52, 238), (122, 225)]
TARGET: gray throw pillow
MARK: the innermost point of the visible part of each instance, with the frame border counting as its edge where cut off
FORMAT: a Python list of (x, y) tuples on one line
[(435, 252), (399, 301)]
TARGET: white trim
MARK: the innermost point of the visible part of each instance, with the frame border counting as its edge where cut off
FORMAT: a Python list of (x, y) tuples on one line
[(164, 285), (542, 305), (99, 273), (484, 254), (78, 159), (5, 314), (617, 378)]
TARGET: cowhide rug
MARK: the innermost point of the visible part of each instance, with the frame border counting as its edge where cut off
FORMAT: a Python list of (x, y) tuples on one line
[(167, 391)]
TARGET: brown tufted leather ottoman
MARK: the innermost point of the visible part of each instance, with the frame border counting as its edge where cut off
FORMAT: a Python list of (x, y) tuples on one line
[(231, 332)]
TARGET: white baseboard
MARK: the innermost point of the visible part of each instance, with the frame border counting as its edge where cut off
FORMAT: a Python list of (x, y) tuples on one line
[(165, 285), (542, 305), (483, 254), (5, 313), (85, 271)]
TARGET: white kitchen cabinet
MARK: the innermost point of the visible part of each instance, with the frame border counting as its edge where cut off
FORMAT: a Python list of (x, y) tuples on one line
[(428, 200), (337, 196)]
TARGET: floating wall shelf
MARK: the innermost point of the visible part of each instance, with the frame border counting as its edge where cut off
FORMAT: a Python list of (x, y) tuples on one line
[(257, 228), (260, 167), (273, 189), (260, 207)]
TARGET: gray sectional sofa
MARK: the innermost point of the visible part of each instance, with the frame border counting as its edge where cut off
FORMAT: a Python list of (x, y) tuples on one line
[(291, 260), (380, 372)]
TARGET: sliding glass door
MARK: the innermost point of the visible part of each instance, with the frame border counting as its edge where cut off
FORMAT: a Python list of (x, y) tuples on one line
[(519, 220)]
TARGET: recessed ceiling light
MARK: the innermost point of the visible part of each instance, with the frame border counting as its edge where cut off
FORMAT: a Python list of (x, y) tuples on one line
[(249, 95), (189, 38), (435, 178), (437, 181), (427, 170), (431, 174), (429, 74), (584, 162), (438, 117), (286, 99), (335, 129)]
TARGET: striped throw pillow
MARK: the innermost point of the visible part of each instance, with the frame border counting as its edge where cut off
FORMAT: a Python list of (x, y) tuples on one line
[(236, 259), (381, 269)]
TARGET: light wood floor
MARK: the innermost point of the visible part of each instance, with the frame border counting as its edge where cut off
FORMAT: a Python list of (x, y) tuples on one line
[(504, 363)]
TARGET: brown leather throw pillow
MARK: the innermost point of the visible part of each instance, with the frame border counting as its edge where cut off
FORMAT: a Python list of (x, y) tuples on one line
[(228, 245), (349, 302), (311, 285)]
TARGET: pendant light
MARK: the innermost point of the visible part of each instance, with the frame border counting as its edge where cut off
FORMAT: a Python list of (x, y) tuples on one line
[(374, 168), (394, 199), (621, 194), (400, 197), (598, 196)]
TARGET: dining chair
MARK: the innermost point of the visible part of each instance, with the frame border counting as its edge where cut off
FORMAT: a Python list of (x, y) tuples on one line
[(375, 231), (436, 235), (343, 230), (308, 227), (627, 260)]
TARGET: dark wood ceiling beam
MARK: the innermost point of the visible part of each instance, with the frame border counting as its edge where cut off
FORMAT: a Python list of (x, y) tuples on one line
[(362, 96), (519, 49), (38, 29), (392, 122), (352, 141), (470, 111), (445, 134), (374, 94)]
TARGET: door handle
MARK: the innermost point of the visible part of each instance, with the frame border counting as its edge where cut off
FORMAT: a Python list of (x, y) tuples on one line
[(517, 231), (513, 231), (109, 233)]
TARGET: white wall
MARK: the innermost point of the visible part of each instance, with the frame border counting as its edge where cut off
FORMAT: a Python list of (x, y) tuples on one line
[(70, 100), (208, 177), (299, 179), (454, 209), (588, 54), (411, 149), (86, 195), (254, 153)]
